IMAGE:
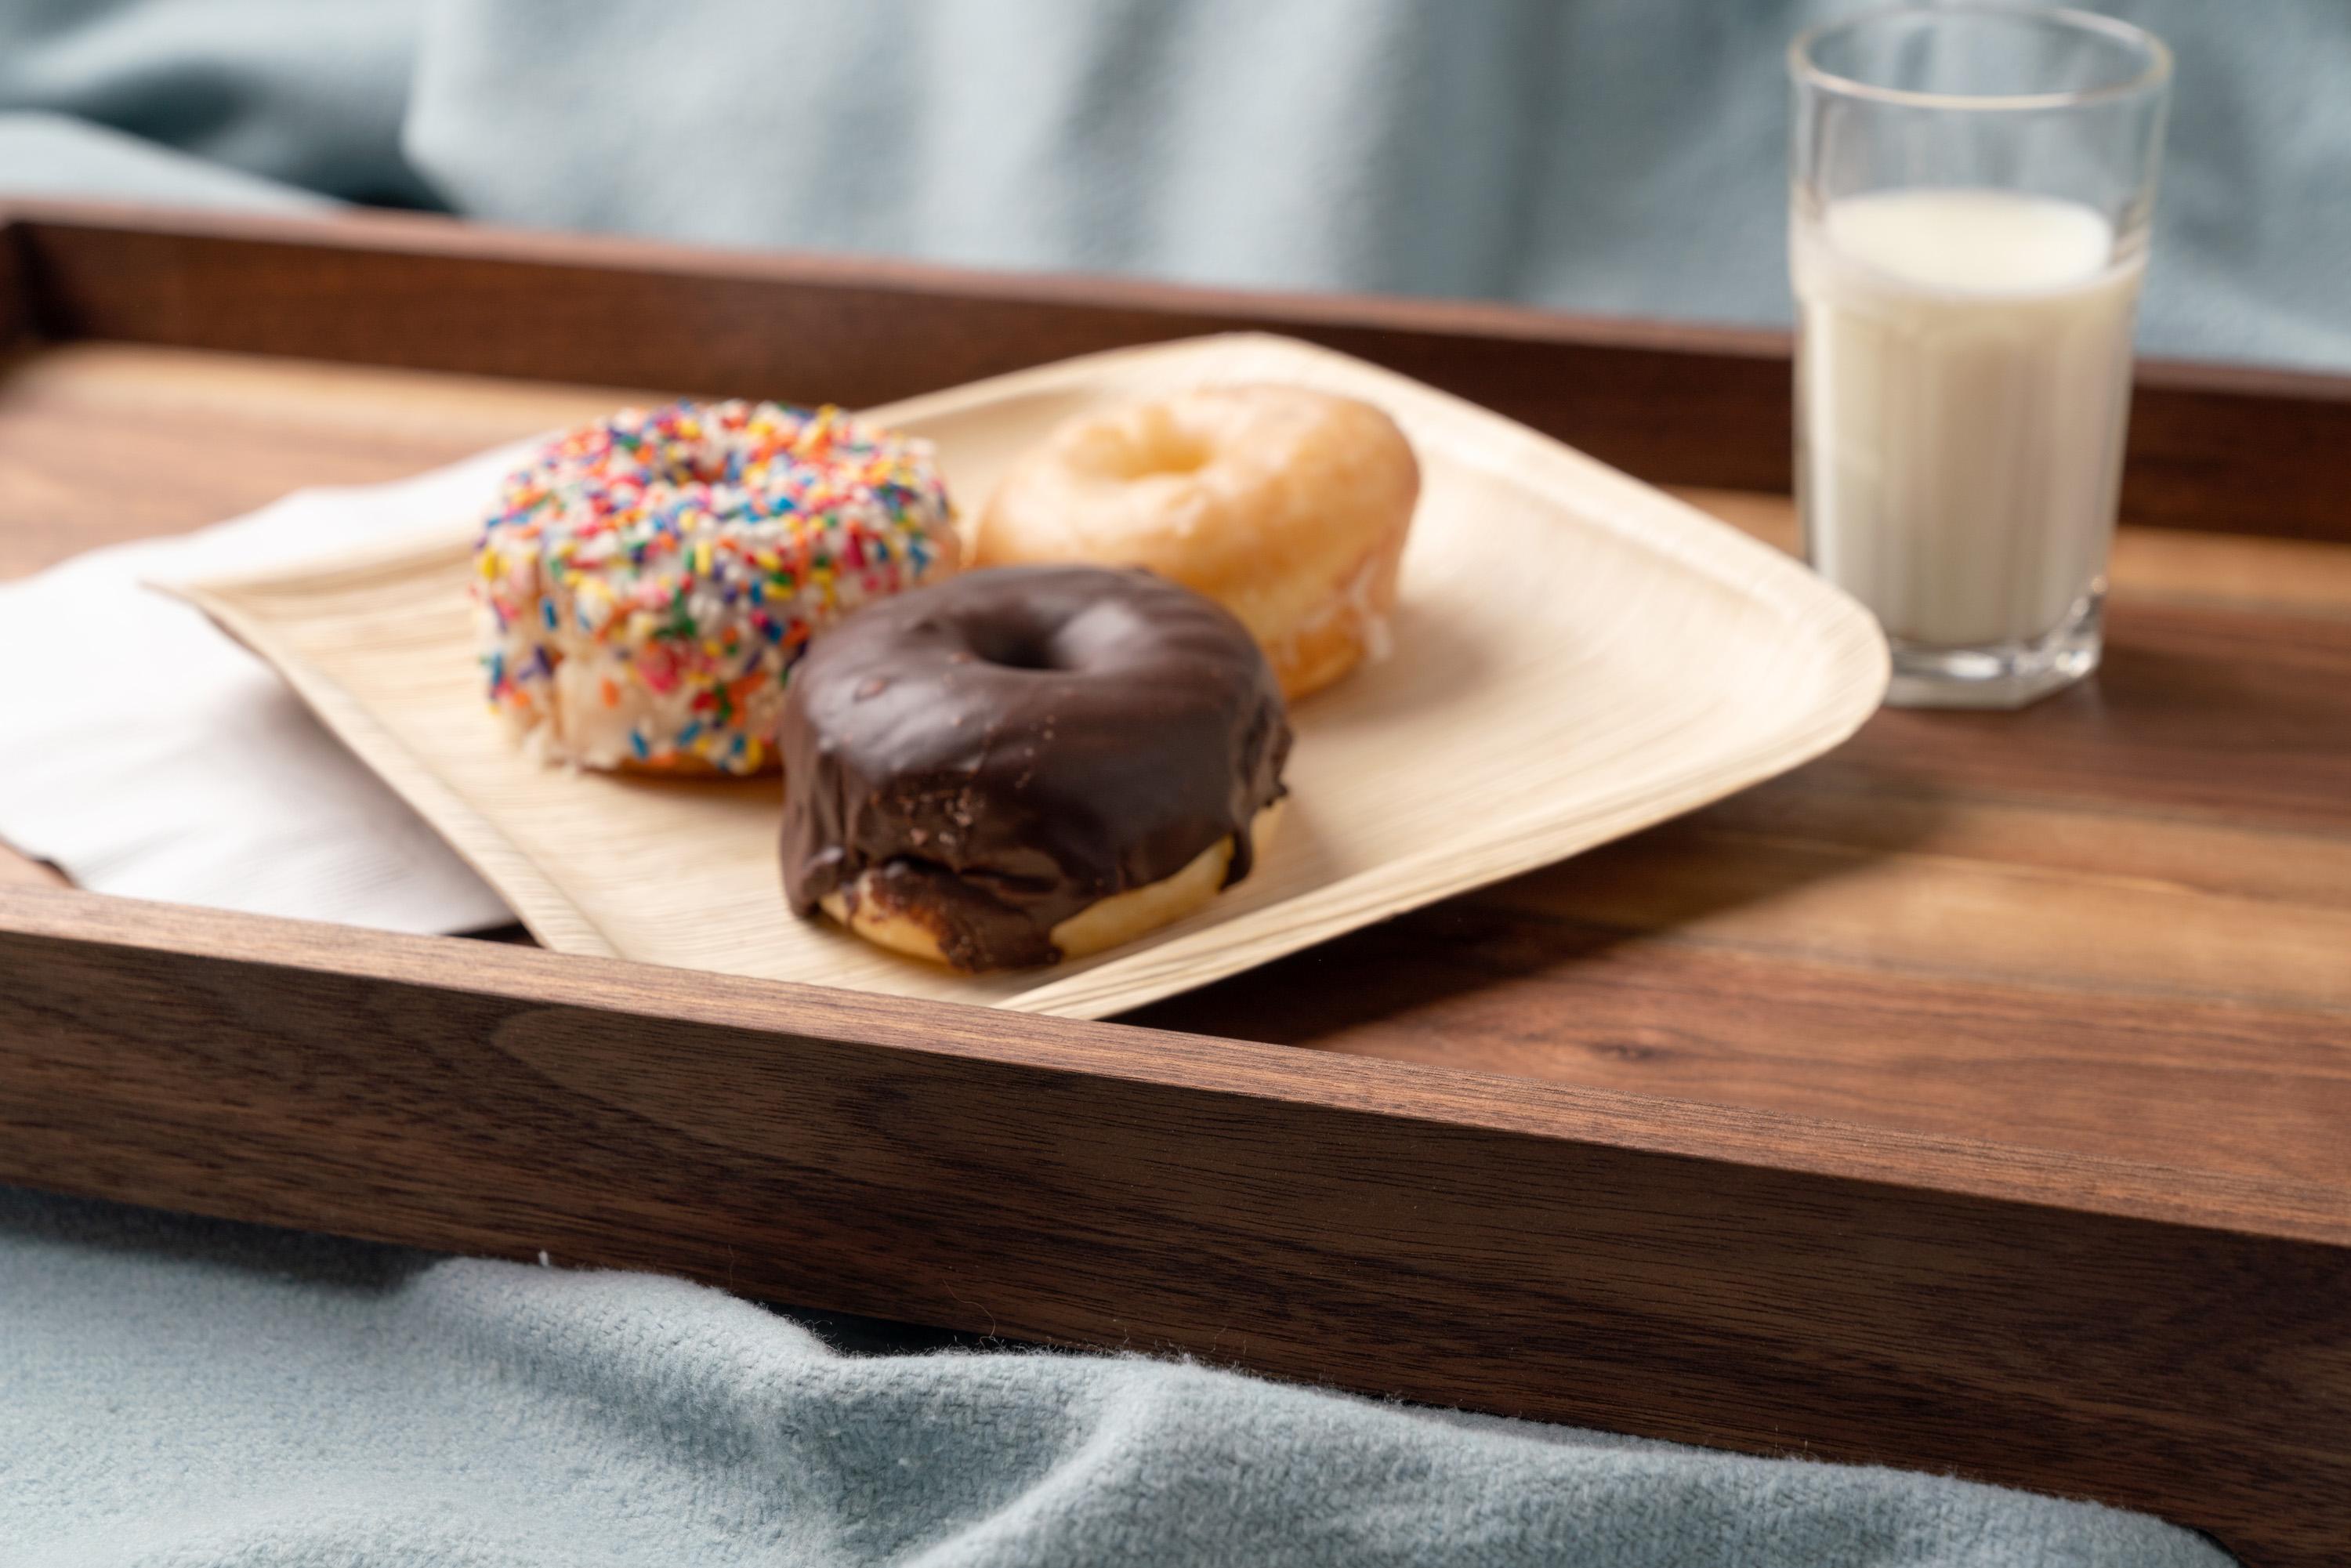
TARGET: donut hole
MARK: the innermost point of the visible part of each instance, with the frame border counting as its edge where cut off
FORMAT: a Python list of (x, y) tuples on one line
[(1016, 648), (696, 467), (1179, 453), (1149, 447)]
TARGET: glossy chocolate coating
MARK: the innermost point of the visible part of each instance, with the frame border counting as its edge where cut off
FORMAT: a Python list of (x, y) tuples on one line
[(1007, 748)]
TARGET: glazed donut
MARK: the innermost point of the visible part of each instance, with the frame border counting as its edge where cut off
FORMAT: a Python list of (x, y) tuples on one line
[(1036, 763), (1288, 506), (647, 581)]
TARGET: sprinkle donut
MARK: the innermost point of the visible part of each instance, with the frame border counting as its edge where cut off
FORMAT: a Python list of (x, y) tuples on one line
[(647, 582)]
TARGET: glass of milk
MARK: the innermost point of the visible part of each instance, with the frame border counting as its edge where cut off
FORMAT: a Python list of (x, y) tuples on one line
[(1971, 193)]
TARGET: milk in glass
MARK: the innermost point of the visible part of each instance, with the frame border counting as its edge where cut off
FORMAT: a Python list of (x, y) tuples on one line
[(1963, 383)]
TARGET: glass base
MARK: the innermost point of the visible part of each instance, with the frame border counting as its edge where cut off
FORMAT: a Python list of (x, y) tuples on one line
[(2001, 674)]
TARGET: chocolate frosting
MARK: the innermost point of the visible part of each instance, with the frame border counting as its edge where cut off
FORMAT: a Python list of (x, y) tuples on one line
[(1008, 746)]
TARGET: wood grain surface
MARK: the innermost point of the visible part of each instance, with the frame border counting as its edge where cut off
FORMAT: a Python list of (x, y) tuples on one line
[(1976, 1097), (2166, 917), (2118, 923)]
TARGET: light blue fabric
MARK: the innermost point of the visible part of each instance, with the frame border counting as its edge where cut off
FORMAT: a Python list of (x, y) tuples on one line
[(178, 1393), (1623, 156), (1613, 155), (54, 155), (174, 1392), (293, 91)]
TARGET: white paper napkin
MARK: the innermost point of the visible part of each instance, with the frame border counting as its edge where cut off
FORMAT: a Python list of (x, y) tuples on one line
[(144, 753)]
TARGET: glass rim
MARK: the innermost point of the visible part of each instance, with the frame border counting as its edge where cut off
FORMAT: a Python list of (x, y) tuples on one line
[(1804, 69)]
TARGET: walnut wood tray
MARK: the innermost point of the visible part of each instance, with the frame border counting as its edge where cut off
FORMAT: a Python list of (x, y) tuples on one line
[(1975, 1098)]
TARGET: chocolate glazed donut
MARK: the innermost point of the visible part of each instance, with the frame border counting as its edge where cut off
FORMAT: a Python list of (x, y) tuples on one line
[(991, 756)]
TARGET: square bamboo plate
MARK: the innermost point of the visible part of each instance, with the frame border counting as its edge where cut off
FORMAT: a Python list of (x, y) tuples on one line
[(1577, 656)]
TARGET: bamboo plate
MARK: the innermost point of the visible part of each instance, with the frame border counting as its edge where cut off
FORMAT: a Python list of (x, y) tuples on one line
[(1576, 656)]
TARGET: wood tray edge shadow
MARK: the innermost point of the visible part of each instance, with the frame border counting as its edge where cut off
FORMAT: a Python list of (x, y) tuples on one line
[(1717, 1275)]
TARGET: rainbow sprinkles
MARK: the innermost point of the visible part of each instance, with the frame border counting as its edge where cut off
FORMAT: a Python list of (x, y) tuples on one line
[(648, 582)]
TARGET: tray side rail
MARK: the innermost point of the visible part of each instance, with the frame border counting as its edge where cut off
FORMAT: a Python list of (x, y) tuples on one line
[(2211, 446), (1718, 1276)]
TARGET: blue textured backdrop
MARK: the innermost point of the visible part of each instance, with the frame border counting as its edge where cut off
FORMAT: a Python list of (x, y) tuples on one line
[(1613, 155)]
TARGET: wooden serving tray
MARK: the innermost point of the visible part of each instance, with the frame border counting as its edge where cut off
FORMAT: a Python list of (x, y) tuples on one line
[(1975, 1098)]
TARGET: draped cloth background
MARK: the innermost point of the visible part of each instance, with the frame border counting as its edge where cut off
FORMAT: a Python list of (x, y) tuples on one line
[(1614, 155), (176, 1392)]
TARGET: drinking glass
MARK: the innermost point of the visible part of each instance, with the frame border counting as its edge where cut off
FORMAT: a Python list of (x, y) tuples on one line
[(1970, 199)]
